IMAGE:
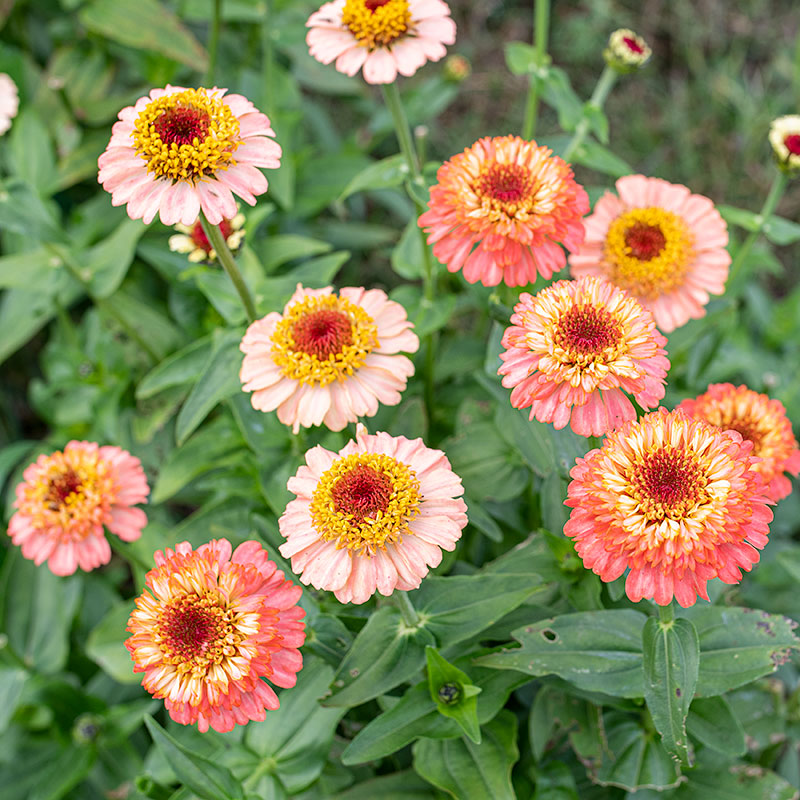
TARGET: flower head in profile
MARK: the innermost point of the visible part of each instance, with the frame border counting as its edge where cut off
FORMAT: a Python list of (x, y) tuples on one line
[(192, 239), (180, 151), (380, 37), (500, 210), (575, 351), (626, 51), (759, 420), (67, 499), (9, 102), (328, 358), (662, 243), (784, 136), (672, 499), (375, 516), (209, 626)]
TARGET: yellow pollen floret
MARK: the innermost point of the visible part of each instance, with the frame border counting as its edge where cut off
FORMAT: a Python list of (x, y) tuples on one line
[(659, 274), (376, 25), (375, 531), (187, 161)]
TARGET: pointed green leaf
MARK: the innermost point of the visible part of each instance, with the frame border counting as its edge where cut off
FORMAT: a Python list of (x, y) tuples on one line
[(108, 261), (383, 174), (183, 366), (520, 57), (106, 645), (712, 722), (454, 694)]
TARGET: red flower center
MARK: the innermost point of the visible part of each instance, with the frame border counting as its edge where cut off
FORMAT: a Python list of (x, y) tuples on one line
[(586, 330), (201, 240), (182, 125), (371, 5), (363, 492), (62, 486), (322, 333), (189, 626), (645, 242), (508, 183), (633, 45), (792, 142), (667, 483)]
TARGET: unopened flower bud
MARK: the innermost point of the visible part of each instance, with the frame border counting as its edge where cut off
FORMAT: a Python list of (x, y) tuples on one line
[(87, 728), (449, 693), (626, 52), (784, 136), (457, 68)]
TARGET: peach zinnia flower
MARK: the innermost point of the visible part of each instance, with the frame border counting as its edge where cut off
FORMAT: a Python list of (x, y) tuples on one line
[(374, 516), (382, 36), (574, 351), (180, 151), (328, 359), (662, 243), (675, 500), (211, 627), (66, 499), (9, 102), (514, 200), (759, 420)]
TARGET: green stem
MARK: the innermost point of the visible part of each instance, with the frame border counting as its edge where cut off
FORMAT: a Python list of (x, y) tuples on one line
[(217, 241), (605, 84), (666, 614), (407, 611), (391, 94), (767, 210), (541, 27), (213, 41)]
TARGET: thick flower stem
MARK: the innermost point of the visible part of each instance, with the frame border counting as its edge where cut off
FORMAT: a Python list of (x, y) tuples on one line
[(601, 91), (213, 42), (666, 615), (217, 241), (391, 94), (767, 210), (541, 25), (407, 611)]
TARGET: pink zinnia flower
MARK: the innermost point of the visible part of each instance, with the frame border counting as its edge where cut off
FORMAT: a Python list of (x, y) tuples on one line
[(759, 420), (66, 499), (500, 210), (182, 151), (575, 349), (192, 239), (211, 627), (382, 36), (328, 359), (9, 102), (674, 500), (376, 515), (662, 243)]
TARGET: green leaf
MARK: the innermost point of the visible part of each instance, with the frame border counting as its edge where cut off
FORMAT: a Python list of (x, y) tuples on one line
[(32, 157), (404, 785), (31, 269), (529, 437), (599, 651), (453, 692), (106, 264), (557, 92), (739, 782), (63, 773), (520, 58), (427, 316), (277, 250), (741, 217), (712, 722), (595, 156), (384, 174), (671, 655), (147, 323), (781, 231), (205, 778), (145, 25), (408, 256), (106, 645), (184, 366), (467, 771), (12, 679), (23, 211), (598, 121)]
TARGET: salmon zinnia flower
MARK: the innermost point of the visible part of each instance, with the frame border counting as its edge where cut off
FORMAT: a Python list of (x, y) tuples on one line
[(211, 627), (574, 351), (180, 151), (759, 420), (68, 497), (376, 515), (662, 243), (514, 200), (675, 500), (328, 359), (382, 36), (9, 102)]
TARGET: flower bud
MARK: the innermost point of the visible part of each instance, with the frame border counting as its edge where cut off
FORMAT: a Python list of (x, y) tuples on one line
[(784, 136), (626, 52), (449, 693), (457, 68)]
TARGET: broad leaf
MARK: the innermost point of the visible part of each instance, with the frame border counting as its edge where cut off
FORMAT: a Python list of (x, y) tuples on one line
[(184, 366), (712, 722), (384, 174), (740, 782), (107, 263), (106, 645)]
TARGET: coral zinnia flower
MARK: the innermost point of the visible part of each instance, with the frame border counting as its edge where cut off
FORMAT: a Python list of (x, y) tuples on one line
[(674, 499), (663, 244), (759, 420), (374, 516), (9, 102), (212, 625), (180, 151), (328, 359), (67, 498), (575, 349), (382, 36), (512, 198), (193, 240)]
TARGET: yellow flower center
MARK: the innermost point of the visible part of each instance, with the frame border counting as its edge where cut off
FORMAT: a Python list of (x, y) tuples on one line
[(186, 136), (323, 339), (365, 501), (648, 251), (376, 23)]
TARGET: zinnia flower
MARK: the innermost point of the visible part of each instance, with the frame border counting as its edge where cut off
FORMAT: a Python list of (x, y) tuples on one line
[(575, 350), (66, 499), (515, 201), (374, 516), (9, 102), (759, 420), (193, 240), (626, 51), (663, 244), (675, 500), (180, 151), (382, 36), (328, 359), (784, 136), (211, 627)]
